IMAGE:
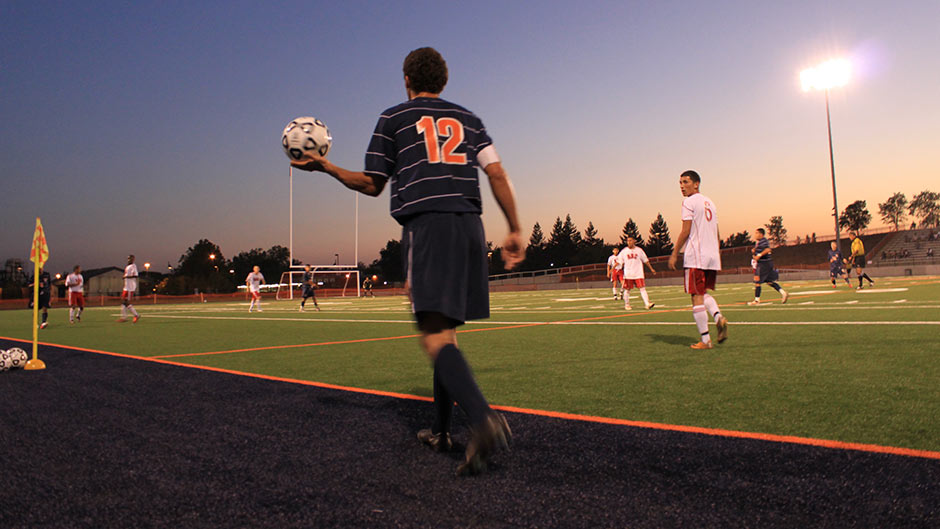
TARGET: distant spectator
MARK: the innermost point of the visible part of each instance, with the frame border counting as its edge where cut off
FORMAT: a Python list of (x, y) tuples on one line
[(814, 236), (884, 255), (930, 252)]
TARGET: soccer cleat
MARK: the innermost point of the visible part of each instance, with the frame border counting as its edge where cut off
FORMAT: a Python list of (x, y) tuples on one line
[(136, 318), (485, 440), (754, 303), (318, 309), (627, 307), (301, 309), (722, 324), (440, 442), (121, 320), (785, 296), (43, 325), (651, 305), (701, 345)]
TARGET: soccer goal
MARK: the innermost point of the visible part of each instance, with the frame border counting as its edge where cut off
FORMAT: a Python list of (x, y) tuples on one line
[(330, 280)]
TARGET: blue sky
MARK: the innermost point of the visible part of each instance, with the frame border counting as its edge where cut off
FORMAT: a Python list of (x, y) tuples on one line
[(143, 127)]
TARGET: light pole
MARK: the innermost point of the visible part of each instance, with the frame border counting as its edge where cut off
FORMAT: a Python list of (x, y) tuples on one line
[(830, 74)]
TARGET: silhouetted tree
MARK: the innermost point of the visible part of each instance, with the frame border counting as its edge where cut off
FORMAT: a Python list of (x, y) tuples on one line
[(776, 233), (659, 242), (893, 210), (926, 207), (855, 216), (630, 229)]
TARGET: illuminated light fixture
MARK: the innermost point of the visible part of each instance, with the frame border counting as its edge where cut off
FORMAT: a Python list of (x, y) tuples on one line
[(830, 74)]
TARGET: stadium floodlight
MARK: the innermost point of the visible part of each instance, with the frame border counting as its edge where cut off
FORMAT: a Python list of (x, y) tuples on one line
[(147, 266), (830, 74)]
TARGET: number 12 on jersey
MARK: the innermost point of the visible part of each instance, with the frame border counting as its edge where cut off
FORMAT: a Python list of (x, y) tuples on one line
[(448, 128)]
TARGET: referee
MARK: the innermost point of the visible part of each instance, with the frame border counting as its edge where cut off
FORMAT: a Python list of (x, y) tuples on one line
[(428, 151), (858, 259)]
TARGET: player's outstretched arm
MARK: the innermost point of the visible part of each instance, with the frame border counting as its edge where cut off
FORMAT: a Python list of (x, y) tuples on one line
[(506, 198), (680, 242), (357, 181)]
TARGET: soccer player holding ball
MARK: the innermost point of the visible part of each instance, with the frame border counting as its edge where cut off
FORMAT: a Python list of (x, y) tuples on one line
[(701, 260), (428, 151)]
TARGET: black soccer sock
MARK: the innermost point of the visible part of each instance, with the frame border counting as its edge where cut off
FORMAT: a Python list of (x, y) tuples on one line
[(455, 376), (45, 316), (757, 291), (868, 278), (860, 281), (443, 405), (775, 286), (303, 302), (833, 281)]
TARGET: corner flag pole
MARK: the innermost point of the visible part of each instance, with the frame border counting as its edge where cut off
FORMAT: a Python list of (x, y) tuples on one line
[(39, 254)]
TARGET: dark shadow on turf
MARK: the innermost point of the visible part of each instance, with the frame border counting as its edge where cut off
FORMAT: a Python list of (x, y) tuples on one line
[(117, 442), (672, 339)]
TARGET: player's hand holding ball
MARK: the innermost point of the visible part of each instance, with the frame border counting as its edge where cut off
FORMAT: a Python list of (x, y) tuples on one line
[(306, 141)]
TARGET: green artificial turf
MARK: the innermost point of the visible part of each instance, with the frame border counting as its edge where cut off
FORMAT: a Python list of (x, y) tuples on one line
[(797, 369)]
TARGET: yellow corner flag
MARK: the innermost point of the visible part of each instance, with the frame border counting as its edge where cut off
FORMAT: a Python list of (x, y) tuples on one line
[(39, 254)]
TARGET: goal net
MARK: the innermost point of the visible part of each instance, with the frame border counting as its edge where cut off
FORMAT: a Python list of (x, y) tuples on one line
[(329, 280)]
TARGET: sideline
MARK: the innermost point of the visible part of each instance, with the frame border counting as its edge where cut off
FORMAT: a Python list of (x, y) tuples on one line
[(718, 432)]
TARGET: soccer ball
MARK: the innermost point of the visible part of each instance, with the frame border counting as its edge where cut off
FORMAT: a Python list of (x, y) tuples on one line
[(18, 357), (4, 361), (306, 134)]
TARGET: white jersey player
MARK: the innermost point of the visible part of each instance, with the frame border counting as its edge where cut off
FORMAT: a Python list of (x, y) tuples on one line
[(632, 259), (615, 273), (254, 282), (130, 288), (701, 260), (76, 285)]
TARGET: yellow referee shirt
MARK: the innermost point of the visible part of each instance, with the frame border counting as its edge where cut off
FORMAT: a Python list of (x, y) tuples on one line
[(857, 247)]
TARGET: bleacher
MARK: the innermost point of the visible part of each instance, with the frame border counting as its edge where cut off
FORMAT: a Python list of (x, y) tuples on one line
[(910, 247)]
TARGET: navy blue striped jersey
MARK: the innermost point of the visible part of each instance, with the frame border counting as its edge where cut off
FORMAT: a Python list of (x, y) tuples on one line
[(835, 259), (426, 149), (761, 245)]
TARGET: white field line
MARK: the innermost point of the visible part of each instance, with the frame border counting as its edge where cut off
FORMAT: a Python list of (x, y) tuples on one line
[(615, 323)]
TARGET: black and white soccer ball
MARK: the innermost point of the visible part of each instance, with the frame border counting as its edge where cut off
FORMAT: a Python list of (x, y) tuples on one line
[(18, 357), (306, 134), (4, 361)]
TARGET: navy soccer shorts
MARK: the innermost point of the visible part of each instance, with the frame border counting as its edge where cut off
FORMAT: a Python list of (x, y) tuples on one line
[(446, 265), (766, 272)]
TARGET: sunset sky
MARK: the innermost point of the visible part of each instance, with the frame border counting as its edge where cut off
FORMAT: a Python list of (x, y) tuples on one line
[(143, 127)]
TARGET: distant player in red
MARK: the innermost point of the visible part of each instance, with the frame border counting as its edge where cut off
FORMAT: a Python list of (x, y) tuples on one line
[(615, 273), (701, 260), (130, 289), (254, 282), (76, 285), (632, 258)]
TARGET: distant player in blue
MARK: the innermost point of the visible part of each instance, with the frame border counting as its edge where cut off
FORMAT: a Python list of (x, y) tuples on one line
[(45, 297), (309, 289), (428, 151), (836, 268), (765, 271)]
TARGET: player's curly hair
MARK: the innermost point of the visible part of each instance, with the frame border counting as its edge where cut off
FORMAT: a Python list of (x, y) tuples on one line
[(426, 70)]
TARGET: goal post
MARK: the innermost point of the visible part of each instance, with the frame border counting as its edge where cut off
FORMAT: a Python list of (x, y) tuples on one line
[(330, 280)]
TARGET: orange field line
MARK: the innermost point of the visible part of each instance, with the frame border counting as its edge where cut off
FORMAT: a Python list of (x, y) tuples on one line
[(718, 432)]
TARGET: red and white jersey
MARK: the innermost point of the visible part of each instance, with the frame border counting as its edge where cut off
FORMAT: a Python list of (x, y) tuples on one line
[(614, 262), (701, 249), (254, 281), (130, 278), (632, 262), (75, 282)]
